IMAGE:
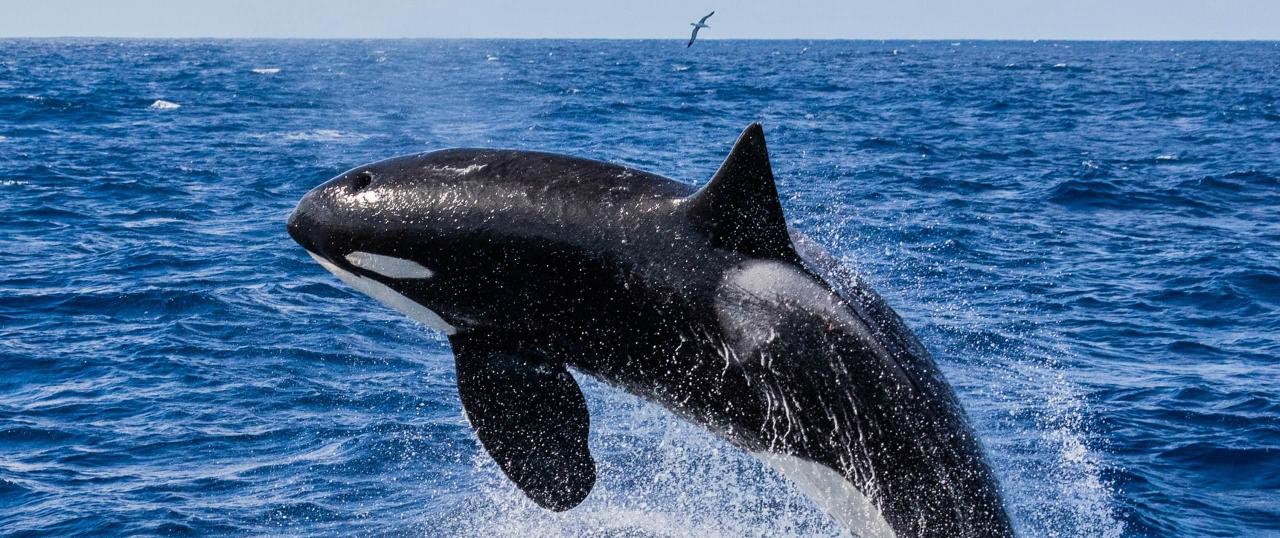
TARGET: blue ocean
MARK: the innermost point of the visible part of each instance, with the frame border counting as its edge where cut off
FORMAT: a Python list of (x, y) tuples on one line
[(1086, 236)]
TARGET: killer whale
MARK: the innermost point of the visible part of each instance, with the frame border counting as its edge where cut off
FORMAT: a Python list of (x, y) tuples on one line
[(703, 301)]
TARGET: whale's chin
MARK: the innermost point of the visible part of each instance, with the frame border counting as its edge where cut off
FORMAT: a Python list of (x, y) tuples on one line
[(388, 296)]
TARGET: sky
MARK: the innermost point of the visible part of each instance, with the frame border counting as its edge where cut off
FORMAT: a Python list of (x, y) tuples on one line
[(738, 19)]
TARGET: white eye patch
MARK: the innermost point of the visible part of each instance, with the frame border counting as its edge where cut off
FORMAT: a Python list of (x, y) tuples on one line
[(388, 296), (389, 266)]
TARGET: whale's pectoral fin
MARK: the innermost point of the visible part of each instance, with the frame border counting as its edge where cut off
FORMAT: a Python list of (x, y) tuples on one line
[(739, 207), (532, 419)]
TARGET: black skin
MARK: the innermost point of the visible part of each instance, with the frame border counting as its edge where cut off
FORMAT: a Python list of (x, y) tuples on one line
[(545, 262)]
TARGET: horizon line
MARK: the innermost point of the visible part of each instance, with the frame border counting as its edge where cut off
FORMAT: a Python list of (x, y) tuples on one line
[(676, 39)]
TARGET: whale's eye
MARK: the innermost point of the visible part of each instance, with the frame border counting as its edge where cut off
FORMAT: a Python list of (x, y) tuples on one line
[(361, 180)]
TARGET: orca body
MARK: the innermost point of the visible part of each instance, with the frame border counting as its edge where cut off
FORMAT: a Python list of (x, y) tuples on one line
[(702, 301)]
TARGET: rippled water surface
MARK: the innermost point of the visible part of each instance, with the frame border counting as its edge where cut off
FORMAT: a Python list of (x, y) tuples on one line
[(1086, 235)]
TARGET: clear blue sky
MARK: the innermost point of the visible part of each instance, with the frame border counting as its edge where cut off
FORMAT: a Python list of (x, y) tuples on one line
[(766, 19)]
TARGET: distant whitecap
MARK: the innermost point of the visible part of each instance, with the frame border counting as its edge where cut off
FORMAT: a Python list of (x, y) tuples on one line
[(161, 104), (266, 70), (317, 135)]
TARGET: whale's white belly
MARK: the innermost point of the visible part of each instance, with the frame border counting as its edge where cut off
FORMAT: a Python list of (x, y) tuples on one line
[(832, 493)]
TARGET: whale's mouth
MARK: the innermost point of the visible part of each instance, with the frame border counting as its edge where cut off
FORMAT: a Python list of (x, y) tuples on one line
[(383, 293)]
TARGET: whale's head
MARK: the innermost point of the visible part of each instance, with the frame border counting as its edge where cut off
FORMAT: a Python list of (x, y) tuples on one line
[(467, 238), (408, 232)]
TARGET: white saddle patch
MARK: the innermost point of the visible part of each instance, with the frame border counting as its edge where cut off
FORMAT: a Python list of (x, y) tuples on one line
[(388, 296), (389, 266), (832, 493)]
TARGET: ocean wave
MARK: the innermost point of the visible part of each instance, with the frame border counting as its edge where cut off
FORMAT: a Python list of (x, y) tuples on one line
[(1088, 250)]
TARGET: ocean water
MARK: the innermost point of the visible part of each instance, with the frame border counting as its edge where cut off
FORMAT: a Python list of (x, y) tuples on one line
[(1087, 236)]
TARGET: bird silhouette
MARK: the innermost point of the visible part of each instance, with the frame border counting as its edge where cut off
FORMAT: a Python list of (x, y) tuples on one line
[(702, 23)]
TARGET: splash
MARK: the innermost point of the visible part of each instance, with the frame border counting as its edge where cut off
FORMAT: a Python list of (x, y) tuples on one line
[(659, 476), (1049, 468)]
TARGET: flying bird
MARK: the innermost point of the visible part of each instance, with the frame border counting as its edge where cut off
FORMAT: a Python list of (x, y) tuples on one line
[(702, 23)]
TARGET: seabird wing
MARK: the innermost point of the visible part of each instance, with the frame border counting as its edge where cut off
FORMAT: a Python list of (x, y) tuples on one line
[(704, 19), (692, 37)]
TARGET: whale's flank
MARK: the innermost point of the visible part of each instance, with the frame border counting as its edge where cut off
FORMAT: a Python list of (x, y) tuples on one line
[(696, 299)]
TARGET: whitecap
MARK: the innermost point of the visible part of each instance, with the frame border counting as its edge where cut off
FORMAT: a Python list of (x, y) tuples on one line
[(314, 135), (1166, 157), (680, 67), (149, 223), (266, 70), (161, 104), (320, 135), (491, 57)]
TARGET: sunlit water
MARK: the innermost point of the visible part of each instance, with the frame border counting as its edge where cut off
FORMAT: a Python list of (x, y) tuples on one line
[(1086, 235)]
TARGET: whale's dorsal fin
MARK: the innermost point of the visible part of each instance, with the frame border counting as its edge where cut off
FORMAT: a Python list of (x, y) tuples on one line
[(739, 207), (530, 416)]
